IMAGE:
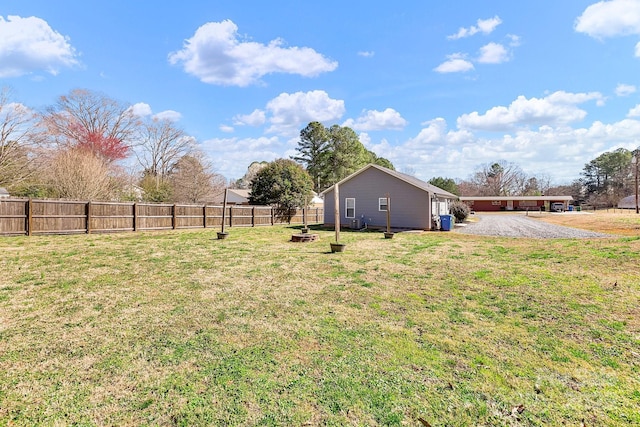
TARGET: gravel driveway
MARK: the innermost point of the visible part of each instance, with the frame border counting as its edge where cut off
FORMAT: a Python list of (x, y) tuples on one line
[(519, 225)]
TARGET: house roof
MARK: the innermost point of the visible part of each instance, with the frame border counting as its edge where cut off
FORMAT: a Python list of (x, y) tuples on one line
[(628, 202), (523, 198), (411, 180), (240, 192), (4, 192), (234, 194)]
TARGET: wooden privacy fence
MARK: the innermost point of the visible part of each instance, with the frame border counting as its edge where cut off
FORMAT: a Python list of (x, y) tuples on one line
[(31, 217)]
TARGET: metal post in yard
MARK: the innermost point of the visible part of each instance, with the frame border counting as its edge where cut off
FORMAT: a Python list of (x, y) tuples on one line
[(336, 211), (635, 162), (224, 208)]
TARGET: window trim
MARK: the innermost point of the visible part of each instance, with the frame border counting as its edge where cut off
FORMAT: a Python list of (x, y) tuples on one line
[(382, 202), (346, 207)]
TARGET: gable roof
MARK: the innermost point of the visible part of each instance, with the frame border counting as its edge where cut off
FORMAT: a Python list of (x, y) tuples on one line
[(411, 180)]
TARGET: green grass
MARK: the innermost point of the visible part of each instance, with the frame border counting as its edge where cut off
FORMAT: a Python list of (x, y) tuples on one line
[(179, 328)]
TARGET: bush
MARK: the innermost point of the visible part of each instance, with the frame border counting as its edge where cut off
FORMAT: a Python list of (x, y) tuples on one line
[(459, 210)]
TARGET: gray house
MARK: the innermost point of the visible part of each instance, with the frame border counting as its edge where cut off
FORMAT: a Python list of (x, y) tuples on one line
[(363, 200)]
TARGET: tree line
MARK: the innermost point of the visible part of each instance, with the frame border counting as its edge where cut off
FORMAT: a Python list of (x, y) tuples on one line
[(77, 147)]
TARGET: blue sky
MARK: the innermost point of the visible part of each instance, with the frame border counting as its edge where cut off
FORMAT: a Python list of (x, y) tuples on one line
[(438, 88)]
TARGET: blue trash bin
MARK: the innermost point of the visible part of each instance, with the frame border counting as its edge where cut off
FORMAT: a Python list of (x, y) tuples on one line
[(570, 208), (446, 222)]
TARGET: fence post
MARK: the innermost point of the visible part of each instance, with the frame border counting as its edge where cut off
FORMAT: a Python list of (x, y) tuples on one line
[(230, 216), (204, 216), (29, 217), (253, 216), (273, 216), (88, 215), (173, 216), (135, 216)]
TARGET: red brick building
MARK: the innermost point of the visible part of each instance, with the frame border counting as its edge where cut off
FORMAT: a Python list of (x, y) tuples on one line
[(514, 203)]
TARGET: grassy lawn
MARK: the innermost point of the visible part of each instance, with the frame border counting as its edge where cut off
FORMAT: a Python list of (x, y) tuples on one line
[(178, 328)]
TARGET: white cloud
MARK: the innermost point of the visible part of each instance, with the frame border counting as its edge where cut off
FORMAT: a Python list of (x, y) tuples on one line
[(377, 120), (233, 155), (141, 109), (226, 128), (514, 41), (256, 118), (30, 44), (291, 112), (610, 19), (365, 139), (634, 112), (455, 63), (637, 53), (485, 26), (559, 108), (493, 53), (170, 115), (216, 55), (625, 90), (366, 54)]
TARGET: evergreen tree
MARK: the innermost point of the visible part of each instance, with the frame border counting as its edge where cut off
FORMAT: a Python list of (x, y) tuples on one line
[(284, 184), (447, 184), (312, 147)]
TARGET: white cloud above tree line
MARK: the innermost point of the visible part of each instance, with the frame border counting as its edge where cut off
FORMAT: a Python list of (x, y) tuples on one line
[(216, 54), (455, 63), (290, 112), (625, 90), (484, 26), (29, 45), (493, 53), (610, 19), (559, 108), (372, 120)]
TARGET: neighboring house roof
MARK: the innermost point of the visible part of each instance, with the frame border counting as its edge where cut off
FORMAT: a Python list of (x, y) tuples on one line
[(628, 202), (411, 180), (240, 192), (532, 198), (234, 195), (4, 192)]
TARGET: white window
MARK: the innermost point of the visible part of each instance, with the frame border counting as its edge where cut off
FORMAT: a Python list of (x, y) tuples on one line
[(350, 207), (382, 204)]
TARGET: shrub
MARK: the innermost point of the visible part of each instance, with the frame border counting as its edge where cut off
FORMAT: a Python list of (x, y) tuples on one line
[(459, 210)]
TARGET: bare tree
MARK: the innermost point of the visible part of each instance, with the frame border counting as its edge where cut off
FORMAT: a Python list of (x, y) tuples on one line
[(160, 147), (93, 121), (252, 171), (193, 179), (18, 137), (77, 173), (499, 179)]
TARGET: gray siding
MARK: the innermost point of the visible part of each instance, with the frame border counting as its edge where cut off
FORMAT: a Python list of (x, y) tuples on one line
[(410, 206)]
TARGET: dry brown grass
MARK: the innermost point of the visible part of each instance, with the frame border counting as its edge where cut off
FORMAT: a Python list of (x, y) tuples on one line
[(618, 221)]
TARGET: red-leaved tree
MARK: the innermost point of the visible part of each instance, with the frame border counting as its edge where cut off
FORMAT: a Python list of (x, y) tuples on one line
[(106, 147), (89, 120)]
